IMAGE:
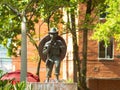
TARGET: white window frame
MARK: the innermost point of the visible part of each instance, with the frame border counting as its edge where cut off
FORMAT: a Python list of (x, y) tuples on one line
[(106, 57)]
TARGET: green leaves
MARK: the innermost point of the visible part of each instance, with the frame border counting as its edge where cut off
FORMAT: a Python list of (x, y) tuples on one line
[(6, 85), (10, 22), (20, 86), (111, 28)]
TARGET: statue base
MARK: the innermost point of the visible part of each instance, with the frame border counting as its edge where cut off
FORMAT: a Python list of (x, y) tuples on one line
[(51, 86)]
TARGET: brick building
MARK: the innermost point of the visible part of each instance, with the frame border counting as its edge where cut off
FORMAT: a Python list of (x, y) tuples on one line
[(103, 66), (102, 70), (103, 63)]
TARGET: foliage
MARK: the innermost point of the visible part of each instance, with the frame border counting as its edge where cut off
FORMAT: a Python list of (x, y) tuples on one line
[(7, 85), (20, 86), (1, 73), (10, 19), (103, 31), (10, 22), (50, 11)]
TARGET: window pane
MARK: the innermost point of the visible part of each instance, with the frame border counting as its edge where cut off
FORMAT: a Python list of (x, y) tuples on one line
[(110, 49), (101, 50), (106, 52), (103, 15)]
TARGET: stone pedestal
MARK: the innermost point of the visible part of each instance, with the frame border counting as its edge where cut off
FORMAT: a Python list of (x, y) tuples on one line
[(51, 86)]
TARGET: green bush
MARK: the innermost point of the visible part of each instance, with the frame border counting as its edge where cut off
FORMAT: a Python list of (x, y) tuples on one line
[(20, 86), (6, 85)]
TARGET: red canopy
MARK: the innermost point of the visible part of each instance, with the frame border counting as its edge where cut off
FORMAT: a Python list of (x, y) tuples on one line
[(15, 76)]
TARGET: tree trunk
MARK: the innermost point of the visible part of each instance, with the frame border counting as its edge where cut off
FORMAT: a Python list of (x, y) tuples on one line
[(84, 61), (76, 59), (38, 68), (85, 41), (23, 74), (36, 46)]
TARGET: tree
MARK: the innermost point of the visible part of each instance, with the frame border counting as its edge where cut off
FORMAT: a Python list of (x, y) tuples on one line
[(51, 11), (85, 39), (71, 27), (103, 31), (16, 12), (89, 18), (24, 13)]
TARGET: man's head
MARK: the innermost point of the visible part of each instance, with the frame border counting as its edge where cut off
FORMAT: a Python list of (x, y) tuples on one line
[(53, 33)]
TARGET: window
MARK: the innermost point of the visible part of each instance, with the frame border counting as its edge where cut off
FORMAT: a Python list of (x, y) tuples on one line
[(103, 12), (5, 61), (106, 52)]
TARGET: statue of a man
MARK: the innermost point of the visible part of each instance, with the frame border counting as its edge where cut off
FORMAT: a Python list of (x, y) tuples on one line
[(53, 49)]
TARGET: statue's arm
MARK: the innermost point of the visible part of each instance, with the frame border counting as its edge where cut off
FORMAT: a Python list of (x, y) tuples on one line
[(46, 48), (62, 46)]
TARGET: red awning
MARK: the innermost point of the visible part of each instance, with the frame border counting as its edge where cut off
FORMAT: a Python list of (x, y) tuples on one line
[(15, 76)]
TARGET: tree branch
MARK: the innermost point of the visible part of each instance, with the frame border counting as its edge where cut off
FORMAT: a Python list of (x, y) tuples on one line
[(13, 9), (29, 3), (32, 40)]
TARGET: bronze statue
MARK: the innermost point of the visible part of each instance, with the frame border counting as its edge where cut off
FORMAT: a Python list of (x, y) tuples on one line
[(54, 50)]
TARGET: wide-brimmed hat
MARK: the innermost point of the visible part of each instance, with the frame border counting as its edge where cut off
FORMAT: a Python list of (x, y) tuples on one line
[(53, 31)]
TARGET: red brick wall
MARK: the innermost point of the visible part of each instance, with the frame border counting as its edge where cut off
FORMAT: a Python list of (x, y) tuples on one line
[(99, 68), (99, 84), (103, 69), (105, 74)]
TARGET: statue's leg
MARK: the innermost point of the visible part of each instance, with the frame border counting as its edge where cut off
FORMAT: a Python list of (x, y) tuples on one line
[(57, 69), (49, 71)]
